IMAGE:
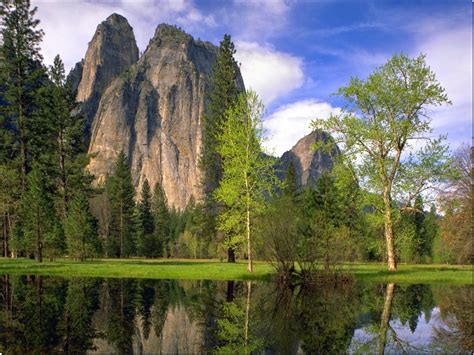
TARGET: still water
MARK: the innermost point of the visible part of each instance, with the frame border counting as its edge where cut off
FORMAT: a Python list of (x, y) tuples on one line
[(78, 315)]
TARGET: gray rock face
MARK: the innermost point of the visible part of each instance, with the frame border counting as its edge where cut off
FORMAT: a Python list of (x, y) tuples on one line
[(153, 112), (75, 76), (112, 50), (309, 164)]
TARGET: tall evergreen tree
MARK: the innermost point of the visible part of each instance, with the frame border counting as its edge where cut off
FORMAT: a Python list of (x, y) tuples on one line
[(222, 95), (68, 153), (121, 193), (431, 232), (37, 214), (162, 221), (20, 72), (80, 229), (290, 185), (146, 245)]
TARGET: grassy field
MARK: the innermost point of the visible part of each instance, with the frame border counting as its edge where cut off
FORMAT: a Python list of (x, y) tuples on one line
[(216, 270)]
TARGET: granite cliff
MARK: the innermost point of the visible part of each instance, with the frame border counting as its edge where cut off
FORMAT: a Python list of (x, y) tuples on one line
[(151, 107), (111, 51)]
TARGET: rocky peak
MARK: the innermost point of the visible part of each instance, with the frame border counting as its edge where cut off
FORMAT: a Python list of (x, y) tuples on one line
[(309, 164), (153, 113), (112, 50)]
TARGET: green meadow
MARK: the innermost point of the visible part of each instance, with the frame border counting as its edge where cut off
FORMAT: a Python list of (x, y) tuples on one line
[(211, 269)]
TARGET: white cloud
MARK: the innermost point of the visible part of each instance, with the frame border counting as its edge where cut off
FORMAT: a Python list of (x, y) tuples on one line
[(267, 71), (291, 122), (257, 19), (449, 54)]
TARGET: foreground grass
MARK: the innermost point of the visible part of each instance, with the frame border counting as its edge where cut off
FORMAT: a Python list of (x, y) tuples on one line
[(216, 270)]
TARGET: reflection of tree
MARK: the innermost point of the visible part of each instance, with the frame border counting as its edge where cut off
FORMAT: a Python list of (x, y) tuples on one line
[(327, 317), (234, 329), (385, 320), (410, 302), (455, 305), (81, 303), (121, 314), (406, 304), (33, 310), (160, 306), (147, 293)]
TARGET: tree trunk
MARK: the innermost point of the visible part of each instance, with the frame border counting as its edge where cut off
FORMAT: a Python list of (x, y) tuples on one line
[(247, 316), (230, 255), (392, 266), (384, 323), (247, 225), (121, 229), (5, 234), (39, 244), (249, 248), (62, 168), (230, 291), (23, 148)]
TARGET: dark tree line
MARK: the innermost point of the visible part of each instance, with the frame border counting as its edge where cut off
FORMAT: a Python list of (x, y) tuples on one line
[(42, 151)]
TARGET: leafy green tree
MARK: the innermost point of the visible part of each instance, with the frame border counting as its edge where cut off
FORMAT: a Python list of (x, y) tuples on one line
[(222, 95), (162, 222), (80, 229), (121, 193), (37, 213), (456, 242), (385, 116), (248, 173)]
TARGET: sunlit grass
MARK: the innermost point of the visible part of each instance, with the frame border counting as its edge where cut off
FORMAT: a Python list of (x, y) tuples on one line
[(211, 269)]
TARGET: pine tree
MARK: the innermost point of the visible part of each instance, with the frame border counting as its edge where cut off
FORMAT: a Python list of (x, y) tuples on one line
[(80, 229), (431, 232), (37, 213), (21, 73), (162, 221), (121, 192), (290, 185), (145, 244), (68, 151), (222, 96)]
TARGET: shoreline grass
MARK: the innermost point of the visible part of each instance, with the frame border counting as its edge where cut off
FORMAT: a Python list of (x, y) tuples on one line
[(211, 269)]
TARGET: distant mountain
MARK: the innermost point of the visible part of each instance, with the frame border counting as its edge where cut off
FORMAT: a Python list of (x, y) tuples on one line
[(309, 164)]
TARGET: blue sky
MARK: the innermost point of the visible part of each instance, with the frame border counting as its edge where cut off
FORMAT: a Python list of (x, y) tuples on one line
[(295, 54)]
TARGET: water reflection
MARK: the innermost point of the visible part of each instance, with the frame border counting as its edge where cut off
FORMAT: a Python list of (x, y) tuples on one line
[(47, 314)]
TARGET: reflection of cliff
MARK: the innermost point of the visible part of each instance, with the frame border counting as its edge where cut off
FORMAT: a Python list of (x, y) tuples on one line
[(180, 335)]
